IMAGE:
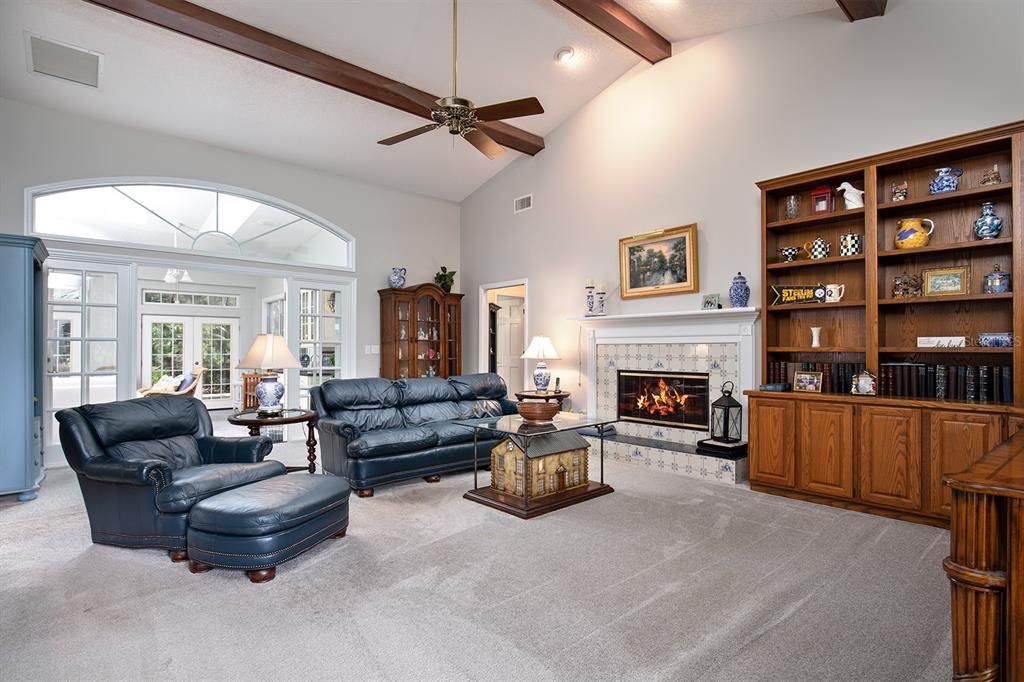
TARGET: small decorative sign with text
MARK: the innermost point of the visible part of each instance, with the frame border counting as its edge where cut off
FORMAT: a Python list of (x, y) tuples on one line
[(785, 294)]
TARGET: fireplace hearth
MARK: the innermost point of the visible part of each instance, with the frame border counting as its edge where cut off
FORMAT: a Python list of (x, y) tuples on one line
[(679, 399)]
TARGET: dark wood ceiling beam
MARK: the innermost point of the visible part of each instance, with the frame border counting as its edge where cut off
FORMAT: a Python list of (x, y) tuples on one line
[(862, 9), (216, 29), (622, 25)]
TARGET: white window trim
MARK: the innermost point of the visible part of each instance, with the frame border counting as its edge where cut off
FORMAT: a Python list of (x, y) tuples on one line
[(191, 293), (32, 193)]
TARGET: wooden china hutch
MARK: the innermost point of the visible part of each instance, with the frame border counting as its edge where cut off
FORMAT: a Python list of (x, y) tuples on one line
[(888, 453), (420, 332)]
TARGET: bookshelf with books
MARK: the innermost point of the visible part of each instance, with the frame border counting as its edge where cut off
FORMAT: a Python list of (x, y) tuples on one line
[(936, 409)]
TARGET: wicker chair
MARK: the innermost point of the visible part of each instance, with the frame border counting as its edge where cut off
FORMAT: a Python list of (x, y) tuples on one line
[(193, 390)]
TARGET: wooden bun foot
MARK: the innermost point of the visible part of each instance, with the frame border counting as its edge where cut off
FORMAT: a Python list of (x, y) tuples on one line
[(178, 555), (198, 566), (436, 478), (340, 533), (365, 492), (263, 575)]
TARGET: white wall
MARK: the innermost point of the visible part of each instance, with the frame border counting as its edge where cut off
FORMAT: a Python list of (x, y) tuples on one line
[(685, 140), (392, 228)]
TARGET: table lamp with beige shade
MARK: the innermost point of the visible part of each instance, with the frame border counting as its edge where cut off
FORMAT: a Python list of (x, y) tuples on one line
[(269, 352), (541, 349)]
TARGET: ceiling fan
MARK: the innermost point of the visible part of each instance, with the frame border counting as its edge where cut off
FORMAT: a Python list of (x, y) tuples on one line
[(460, 115)]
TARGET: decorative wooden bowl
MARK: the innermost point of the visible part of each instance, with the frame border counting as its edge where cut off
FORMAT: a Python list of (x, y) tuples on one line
[(537, 412)]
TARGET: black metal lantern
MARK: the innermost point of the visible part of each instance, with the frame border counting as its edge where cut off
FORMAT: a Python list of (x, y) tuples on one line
[(726, 417)]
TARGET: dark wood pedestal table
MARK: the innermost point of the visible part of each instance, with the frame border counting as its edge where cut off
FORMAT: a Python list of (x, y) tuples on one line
[(253, 421), (514, 425)]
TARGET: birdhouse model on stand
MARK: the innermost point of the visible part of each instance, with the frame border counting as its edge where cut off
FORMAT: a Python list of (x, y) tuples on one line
[(551, 464)]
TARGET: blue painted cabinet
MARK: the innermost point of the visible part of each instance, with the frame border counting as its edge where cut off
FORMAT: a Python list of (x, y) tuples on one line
[(22, 342)]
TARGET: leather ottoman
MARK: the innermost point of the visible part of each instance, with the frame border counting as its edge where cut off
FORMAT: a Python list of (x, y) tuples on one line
[(260, 525)]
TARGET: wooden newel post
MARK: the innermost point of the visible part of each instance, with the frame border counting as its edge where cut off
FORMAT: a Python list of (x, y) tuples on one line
[(976, 569)]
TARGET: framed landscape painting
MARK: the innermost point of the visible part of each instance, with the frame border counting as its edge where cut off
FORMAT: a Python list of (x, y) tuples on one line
[(659, 263)]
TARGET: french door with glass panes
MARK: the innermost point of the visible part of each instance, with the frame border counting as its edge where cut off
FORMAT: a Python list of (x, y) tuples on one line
[(320, 339), (88, 351), (173, 344)]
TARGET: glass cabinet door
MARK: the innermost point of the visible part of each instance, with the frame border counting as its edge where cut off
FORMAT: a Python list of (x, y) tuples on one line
[(452, 332), (428, 337), (406, 338)]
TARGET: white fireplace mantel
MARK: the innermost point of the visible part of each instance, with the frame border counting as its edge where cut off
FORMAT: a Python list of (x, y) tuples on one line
[(728, 325), (748, 315)]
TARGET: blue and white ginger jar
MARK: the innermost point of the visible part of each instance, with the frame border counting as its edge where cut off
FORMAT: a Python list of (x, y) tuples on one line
[(739, 292)]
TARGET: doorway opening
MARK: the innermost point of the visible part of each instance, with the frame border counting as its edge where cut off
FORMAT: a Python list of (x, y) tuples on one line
[(504, 332)]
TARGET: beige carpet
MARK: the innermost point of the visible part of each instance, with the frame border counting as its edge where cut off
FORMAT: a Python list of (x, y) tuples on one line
[(667, 578)]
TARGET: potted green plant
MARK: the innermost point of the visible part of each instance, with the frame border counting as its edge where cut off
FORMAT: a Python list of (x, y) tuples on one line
[(445, 279)]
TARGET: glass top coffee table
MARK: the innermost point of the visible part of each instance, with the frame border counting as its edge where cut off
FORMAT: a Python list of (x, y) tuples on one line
[(540, 467)]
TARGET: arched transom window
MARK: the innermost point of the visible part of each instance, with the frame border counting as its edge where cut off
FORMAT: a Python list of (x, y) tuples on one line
[(200, 219)]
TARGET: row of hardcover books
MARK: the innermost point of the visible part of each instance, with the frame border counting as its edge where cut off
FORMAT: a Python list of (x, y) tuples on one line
[(836, 377), (981, 383)]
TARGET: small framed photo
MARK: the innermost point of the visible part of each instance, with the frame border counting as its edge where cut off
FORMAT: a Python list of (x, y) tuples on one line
[(864, 383), (947, 281), (711, 302), (808, 382)]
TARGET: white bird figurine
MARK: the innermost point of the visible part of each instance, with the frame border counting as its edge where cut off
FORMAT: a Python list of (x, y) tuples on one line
[(853, 197)]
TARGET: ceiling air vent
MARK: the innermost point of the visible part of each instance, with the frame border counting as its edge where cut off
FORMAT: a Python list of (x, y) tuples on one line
[(64, 61), (523, 203)]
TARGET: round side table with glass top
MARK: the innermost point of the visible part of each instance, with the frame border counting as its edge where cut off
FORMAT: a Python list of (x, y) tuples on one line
[(253, 421)]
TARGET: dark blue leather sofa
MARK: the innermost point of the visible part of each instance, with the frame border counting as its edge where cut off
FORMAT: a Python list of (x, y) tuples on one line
[(376, 431)]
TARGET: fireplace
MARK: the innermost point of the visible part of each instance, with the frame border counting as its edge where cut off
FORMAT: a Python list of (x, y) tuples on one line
[(677, 399)]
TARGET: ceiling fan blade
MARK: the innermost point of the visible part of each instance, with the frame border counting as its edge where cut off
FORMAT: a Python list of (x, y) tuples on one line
[(409, 134), (485, 144), (412, 94), (528, 106)]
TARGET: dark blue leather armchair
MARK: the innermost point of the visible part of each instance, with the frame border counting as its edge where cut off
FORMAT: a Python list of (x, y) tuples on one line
[(143, 463), (376, 431)]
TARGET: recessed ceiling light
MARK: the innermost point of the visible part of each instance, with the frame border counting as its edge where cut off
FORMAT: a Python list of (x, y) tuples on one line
[(564, 55)]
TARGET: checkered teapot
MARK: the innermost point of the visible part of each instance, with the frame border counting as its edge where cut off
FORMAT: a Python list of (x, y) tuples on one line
[(818, 248)]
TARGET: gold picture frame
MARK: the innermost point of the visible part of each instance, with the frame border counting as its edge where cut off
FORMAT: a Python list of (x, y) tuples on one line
[(807, 382), (953, 281), (659, 263)]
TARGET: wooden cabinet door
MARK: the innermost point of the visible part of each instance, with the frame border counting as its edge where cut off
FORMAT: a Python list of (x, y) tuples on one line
[(1014, 424), (826, 449), (958, 440), (773, 442), (890, 456)]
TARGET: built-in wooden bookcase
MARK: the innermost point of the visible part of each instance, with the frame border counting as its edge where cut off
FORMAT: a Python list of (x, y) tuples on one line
[(869, 325), (887, 454)]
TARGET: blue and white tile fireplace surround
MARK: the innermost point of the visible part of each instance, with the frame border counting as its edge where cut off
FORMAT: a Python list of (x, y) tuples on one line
[(721, 343)]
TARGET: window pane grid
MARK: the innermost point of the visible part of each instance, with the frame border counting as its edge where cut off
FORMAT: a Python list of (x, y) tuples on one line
[(167, 349)]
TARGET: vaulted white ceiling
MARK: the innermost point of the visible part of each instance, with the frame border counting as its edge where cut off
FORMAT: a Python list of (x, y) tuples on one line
[(163, 81)]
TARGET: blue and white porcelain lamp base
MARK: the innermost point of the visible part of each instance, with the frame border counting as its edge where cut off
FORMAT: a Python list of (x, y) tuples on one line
[(541, 377), (269, 393)]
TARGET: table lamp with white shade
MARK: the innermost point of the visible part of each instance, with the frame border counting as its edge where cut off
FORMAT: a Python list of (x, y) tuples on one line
[(269, 352), (541, 349)]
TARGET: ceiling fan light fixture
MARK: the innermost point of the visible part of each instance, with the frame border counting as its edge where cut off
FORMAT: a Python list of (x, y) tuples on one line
[(564, 55)]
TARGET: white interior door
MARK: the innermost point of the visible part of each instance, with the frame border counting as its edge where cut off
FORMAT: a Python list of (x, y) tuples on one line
[(173, 344), (510, 342), (88, 357)]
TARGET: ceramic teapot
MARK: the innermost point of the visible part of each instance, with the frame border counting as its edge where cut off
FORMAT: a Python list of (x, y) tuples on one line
[(910, 233), (817, 249)]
